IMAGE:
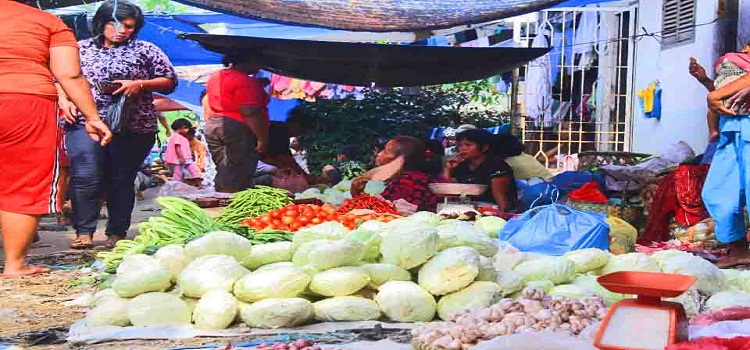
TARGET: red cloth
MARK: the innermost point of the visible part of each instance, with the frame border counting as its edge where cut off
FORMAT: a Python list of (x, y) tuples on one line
[(689, 180), (678, 196), (412, 187), (28, 140), (734, 313), (713, 343), (228, 89), (591, 192)]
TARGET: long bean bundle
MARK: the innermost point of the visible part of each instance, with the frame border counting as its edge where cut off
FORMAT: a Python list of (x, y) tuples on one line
[(253, 202)]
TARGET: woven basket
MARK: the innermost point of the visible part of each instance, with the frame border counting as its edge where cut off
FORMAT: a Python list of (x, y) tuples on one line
[(631, 213)]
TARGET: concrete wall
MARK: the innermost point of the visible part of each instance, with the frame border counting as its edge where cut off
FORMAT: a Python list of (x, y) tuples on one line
[(683, 98)]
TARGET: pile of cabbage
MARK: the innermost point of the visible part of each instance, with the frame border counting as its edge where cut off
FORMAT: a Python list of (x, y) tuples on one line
[(412, 269)]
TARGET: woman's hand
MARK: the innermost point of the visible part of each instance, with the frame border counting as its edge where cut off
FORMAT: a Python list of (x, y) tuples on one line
[(98, 131), (716, 104), (740, 100), (129, 87), (69, 110), (697, 71), (358, 186), (405, 208)]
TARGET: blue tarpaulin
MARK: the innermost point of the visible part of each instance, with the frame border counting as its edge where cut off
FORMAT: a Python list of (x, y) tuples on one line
[(581, 3)]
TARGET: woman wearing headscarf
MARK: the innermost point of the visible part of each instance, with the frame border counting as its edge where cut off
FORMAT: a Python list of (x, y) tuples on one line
[(119, 66), (36, 49)]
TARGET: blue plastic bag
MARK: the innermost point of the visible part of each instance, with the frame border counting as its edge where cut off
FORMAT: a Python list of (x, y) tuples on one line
[(573, 180), (556, 229), (536, 192)]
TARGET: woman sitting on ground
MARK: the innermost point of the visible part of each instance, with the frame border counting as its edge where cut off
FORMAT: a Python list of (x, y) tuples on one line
[(478, 162), (400, 164)]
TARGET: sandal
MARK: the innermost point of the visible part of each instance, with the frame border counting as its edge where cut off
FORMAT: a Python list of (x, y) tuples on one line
[(112, 241), (82, 242)]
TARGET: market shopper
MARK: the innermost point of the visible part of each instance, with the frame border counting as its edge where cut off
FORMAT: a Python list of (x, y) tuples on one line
[(725, 191), (35, 48), (120, 66), (345, 168), (179, 157), (401, 165), (237, 128), (478, 162), (729, 68)]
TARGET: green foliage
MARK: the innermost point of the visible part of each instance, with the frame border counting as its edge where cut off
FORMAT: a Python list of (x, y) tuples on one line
[(359, 123)]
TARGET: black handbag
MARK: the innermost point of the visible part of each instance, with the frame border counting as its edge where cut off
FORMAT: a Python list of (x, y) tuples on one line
[(116, 118)]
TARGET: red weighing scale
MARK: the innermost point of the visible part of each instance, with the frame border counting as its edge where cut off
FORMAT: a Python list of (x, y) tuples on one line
[(647, 322)]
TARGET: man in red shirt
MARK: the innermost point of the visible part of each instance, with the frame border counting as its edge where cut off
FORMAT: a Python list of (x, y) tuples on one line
[(237, 129)]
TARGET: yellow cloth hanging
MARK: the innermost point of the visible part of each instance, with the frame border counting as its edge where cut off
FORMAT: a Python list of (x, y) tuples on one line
[(647, 95)]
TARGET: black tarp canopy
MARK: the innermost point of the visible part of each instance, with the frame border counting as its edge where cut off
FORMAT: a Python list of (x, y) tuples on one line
[(367, 64)]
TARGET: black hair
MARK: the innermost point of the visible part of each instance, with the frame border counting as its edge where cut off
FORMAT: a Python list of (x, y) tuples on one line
[(479, 136), (434, 153), (124, 11), (181, 123), (192, 132), (413, 151), (506, 146)]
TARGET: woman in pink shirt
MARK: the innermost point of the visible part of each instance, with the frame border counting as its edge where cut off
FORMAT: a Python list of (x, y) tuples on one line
[(178, 157)]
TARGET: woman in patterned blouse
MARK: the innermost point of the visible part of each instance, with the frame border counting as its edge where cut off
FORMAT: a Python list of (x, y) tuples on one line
[(407, 182), (121, 65)]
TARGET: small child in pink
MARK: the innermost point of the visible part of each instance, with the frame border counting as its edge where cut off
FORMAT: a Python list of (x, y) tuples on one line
[(178, 157)]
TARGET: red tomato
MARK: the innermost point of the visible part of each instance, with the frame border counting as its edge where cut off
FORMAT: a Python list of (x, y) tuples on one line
[(295, 226), (265, 219), (315, 220), (291, 213), (303, 219), (286, 220), (332, 217), (275, 214), (276, 222)]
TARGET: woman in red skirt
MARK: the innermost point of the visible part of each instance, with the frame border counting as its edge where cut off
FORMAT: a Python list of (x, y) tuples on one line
[(36, 48)]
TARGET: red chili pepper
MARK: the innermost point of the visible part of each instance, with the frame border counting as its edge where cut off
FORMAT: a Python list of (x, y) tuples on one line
[(365, 201)]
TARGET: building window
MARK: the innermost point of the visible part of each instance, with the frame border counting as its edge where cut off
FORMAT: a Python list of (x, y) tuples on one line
[(678, 23)]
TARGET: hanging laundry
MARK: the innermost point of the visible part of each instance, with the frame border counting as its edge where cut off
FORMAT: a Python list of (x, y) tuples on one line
[(586, 36), (651, 100), (538, 88)]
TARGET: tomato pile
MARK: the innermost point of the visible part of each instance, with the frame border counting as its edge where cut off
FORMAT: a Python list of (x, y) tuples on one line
[(293, 217)]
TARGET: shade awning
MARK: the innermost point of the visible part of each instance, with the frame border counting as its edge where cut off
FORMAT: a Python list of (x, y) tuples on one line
[(376, 16), (372, 64)]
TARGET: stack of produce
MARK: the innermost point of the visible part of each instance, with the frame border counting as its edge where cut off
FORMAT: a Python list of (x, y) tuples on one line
[(180, 222), (532, 313), (253, 202), (368, 202), (294, 217), (411, 269)]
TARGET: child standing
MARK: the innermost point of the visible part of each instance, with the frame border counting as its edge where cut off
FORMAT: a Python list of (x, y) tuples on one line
[(178, 156), (729, 68)]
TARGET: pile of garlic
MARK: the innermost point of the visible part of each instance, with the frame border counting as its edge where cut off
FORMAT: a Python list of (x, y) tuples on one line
[(534, 312)]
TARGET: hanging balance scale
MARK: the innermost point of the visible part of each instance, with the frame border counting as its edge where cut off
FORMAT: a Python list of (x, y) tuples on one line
[(646, 322)]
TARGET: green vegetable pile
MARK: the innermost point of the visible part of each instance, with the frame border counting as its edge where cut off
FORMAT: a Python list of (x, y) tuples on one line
[(252, 203), (181, 221)]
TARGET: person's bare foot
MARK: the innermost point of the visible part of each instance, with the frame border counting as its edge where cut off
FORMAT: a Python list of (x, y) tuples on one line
[(739, 254), (27, 270)]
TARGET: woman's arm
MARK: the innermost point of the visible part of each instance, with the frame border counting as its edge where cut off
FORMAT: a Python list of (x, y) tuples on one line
[(65, 66), (500, 187), (164, 124), (716, 98), (135, 87)]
